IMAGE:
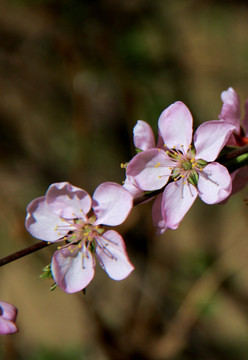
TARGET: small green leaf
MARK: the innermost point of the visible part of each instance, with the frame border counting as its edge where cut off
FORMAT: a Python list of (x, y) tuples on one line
[(46, 272)]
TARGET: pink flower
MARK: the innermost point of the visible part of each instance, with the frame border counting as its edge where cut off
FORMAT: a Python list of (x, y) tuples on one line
[(191, 168), (231, 113), (68, 213), (8, 315), (143, 139)]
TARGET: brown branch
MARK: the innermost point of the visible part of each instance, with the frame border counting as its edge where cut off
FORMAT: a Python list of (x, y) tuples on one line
[(24, 252)]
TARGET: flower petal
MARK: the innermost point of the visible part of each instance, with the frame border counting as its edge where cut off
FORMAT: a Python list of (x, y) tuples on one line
[(239, 179), (72, 271), (157, 218), (177, 200), (214, 184), (245, 120), (7, 327), (130, 185), (111, 203), (175, 126), (111, 252), (210, 138), (8, 315), (230, 111), (150, 169), (143, 137), (43, 223), (68, 201)]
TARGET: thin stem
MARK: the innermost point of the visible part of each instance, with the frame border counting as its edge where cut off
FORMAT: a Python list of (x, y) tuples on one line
[(28, 250)]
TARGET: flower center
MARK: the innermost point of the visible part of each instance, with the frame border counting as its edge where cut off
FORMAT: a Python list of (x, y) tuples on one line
[(82, 235), (186, 166)]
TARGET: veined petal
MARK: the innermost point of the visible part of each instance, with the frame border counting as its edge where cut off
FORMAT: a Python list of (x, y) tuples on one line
[(7, 327), (43, 223), (175, 126), (150, 169), (8, 311), (214, 184), (210, 138), (68, 201), (143, 137), (111, 252), (111, 203), (157, 217), (230, 111), (8, 315), (72, 271), (177, 200)]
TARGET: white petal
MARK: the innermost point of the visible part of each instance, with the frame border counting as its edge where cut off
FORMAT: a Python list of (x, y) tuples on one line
[(72, 271), (111, 252), (68, 201), (177, 200), (214, 184), (111, 203), (44, 224), (143, 137)]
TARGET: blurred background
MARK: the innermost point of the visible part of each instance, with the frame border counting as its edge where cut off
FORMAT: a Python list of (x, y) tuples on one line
[(75, 76)]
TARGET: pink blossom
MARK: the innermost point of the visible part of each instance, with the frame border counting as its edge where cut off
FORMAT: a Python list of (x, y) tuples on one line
[(8, 314), (231, 113), (68, 213), (190, 169)]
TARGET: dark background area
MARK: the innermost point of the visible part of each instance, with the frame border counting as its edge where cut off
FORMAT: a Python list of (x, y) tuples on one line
[(75, 76)]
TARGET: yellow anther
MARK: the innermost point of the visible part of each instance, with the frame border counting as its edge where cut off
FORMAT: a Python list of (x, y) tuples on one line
[(59, 247), (159, 176)]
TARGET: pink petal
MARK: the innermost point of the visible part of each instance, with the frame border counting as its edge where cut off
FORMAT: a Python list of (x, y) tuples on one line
[(210, 138), (72, 271), (111, 203), (239, 179), (150, 169), (111, 252), (245, 120), (157, 218), (131, 187), (8, 311), (175, 126), (230, 111), (8, 315), (177, 200), (7, 327), (214, 184), (42, 223), (143, 137), (68, 201)]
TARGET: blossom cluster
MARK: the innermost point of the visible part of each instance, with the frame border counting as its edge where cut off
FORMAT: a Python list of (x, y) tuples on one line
[(176, 169), (181, 165)]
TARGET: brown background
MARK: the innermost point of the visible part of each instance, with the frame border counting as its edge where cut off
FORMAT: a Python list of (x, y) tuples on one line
[(75, 76)]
